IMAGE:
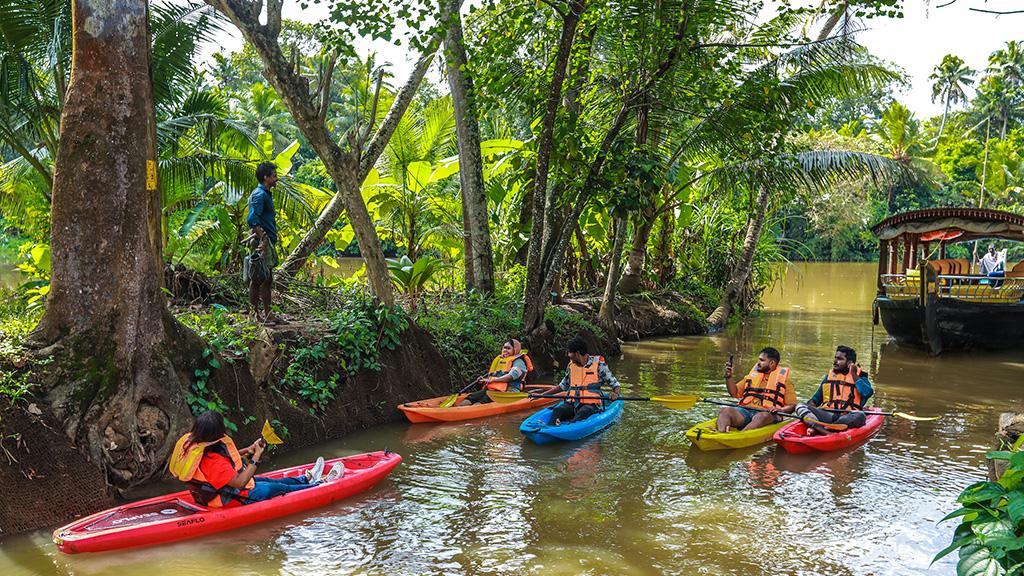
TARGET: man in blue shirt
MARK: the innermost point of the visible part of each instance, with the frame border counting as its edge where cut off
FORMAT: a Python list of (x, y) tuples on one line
[(841, 397), (264, 228)]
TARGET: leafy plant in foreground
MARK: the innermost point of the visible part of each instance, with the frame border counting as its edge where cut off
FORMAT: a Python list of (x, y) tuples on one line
[(990, 537)]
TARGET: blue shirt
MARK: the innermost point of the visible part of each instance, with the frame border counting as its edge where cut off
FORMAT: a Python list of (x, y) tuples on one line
[(261, 212), (863, 386)]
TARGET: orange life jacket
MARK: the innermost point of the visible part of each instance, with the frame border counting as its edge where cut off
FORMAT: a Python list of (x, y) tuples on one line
[(584, 382), (839, 391), (501, 365), (184, 466), (770, 394)]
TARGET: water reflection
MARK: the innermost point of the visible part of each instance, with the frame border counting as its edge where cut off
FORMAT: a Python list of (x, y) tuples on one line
[(475, 498)]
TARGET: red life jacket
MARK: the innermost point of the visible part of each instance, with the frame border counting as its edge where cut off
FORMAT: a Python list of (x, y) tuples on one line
[(584, 382), (764, 390)]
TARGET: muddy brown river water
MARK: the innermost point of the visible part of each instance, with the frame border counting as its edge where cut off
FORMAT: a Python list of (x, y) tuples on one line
[(475, 498)]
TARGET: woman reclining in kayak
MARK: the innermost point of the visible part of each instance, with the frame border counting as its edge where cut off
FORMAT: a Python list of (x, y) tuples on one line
[(508, 373), (208, 462)]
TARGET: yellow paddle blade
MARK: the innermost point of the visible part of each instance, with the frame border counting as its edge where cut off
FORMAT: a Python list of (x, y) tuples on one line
[(449, 401), (906, 416), (676, 402), (269, 435), (506, 397)]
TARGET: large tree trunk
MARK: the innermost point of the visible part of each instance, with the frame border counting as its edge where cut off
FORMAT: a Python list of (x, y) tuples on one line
[(122, 388), (606, 315), (942, 124), (471, 165), (588, 276), (734, 288), (467, 244), (665, 258), (632, 276), (533, 303), (540, 276)]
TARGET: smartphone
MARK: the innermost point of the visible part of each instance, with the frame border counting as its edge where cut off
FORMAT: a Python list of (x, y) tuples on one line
[(730, 359)]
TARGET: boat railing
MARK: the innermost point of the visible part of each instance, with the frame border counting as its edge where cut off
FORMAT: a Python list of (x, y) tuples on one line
[(902, 286), (958, 287), (981, 288)]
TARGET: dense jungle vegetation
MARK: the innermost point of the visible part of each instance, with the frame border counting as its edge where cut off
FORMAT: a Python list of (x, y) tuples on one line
[(595, 147)]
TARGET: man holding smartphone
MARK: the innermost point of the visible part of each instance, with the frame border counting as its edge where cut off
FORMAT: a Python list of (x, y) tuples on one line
[(762, 392)]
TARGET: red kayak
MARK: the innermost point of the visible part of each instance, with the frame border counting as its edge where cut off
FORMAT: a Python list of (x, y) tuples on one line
[(176, 516), (794, 439)]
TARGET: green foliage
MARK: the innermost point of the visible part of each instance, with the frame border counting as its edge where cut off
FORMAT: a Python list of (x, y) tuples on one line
[(569, 325), (300, 375), (227, 333), (413, 277), (17, 320), (15, 387), (990, 537), (469, 329), (362, 328), (202, 397)]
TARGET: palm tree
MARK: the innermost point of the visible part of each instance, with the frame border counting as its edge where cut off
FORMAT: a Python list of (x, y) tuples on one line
[(949, 80), (1000, 92), (406, 193)]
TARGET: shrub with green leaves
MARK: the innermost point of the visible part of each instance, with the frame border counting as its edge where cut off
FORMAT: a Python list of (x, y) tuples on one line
[(569, 325), (226, 332), (362, 328), (990, 537), (470, 329), (17, 320)]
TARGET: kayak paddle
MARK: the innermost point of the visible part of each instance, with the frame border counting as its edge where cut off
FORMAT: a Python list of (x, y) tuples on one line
[(450, 401), (672, 402), (269, 435), (903, 415), (809, 420)]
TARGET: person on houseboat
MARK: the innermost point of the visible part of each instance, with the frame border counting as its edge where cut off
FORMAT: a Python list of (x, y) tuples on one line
[(582, 383), (993, 263), (507, 374), (841, 397), (207, 460), (762, 393)]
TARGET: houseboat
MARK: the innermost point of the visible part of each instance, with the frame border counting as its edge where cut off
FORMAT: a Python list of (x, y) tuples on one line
[(943, 304)]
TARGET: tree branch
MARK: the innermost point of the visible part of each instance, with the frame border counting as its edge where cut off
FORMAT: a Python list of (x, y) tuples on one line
[(405, 95), (325, 85), (373, 109)]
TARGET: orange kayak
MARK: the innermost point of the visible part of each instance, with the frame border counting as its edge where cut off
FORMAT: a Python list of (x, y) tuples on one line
[(428, 410)]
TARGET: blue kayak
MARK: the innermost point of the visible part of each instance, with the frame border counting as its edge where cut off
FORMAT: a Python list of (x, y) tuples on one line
[(539, 429)]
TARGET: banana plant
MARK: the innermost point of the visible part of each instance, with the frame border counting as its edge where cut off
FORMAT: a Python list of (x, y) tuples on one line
[(413, 277)]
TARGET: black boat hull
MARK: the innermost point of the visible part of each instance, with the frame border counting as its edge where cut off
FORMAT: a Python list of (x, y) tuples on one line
[(954, 324)]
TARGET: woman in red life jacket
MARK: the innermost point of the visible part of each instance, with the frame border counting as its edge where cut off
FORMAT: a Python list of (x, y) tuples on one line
[(766, 387), (507, 373), (846, 387), (207, 460), (582, 383)]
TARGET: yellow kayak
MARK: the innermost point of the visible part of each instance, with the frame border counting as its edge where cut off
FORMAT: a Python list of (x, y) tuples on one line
[(707, 438)]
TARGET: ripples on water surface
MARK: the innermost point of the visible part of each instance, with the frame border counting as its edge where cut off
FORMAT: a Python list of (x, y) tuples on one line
[(474, 498)]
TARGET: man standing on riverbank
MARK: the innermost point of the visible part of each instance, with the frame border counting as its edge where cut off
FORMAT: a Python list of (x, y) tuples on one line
[(761, 393), (264, 228), (582, 382), (846, 389)]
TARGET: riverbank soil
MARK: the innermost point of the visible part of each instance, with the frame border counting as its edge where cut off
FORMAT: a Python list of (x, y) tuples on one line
[(649, 315), (49, 480)]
